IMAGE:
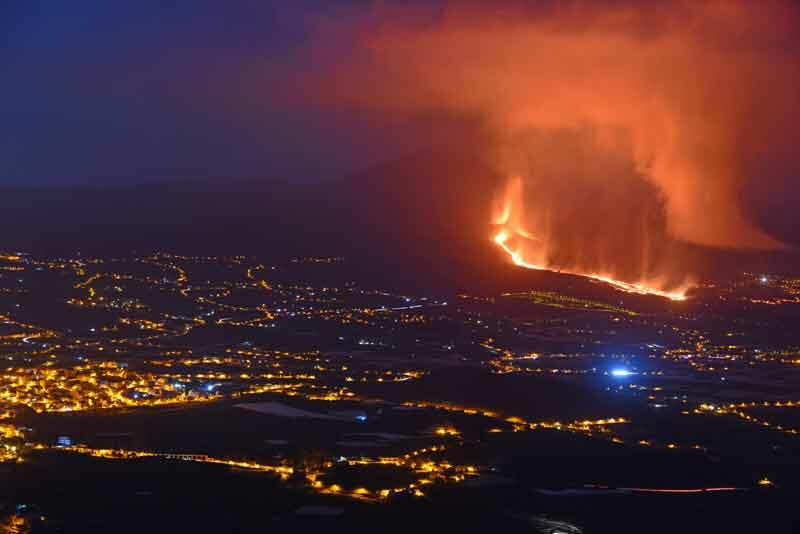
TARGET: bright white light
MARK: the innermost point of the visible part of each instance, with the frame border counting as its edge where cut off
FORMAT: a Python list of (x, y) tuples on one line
[(620, 372)]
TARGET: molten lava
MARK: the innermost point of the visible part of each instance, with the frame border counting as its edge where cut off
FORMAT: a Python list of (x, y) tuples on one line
[(531, 251), (516, 256)]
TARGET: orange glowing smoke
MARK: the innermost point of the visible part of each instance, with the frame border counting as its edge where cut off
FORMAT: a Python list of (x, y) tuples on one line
[(630, 127), (531, 253)]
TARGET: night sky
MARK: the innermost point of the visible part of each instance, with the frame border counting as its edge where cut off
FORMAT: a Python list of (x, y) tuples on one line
[(127, 92)]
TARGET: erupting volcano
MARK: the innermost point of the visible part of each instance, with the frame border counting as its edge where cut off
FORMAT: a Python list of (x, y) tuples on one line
[(632, 131), (527, 249)]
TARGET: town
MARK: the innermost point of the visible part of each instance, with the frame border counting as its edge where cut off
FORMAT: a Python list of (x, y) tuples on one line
[(338, 382)]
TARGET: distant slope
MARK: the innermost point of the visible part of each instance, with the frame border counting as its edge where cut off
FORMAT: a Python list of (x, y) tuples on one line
[(432, 206), (419, 222)]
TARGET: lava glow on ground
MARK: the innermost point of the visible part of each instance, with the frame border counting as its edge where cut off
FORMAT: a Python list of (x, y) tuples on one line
[(510, 218), (503, 236)]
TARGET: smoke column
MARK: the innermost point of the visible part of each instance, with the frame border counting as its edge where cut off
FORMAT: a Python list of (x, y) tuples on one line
[(624, 127)]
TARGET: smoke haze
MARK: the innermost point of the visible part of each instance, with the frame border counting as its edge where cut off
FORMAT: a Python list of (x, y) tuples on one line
[(629, 128)]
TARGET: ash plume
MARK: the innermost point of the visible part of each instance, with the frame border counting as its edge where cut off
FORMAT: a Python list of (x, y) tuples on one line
[(630, 127)]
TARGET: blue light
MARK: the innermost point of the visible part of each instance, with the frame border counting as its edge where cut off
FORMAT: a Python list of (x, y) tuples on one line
[(620, 372), (210, 387), (361, 417)]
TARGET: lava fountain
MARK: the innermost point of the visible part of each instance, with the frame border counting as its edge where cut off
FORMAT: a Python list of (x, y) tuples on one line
[(527, 250)]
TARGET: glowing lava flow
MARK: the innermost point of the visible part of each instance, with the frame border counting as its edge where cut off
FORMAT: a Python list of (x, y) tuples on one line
[(509, 221), (502, 240)]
